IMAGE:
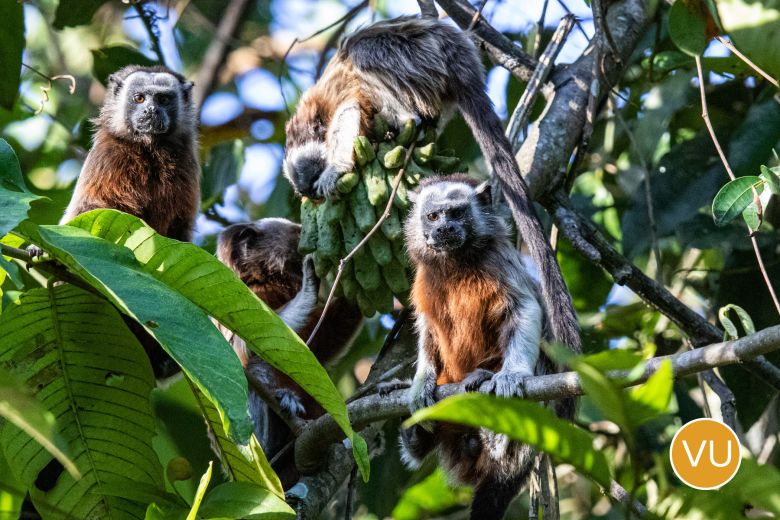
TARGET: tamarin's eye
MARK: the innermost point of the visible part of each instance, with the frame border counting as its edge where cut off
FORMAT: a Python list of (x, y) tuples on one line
[(139, 98), (433, 217), (457, 213)]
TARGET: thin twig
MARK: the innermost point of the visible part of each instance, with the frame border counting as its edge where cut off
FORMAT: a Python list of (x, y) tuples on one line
[(149, 19), (542, 71), (45, 90), (757, 201), (540, 29), (385, 214), (648, 195), (744, 58), (576, 18)]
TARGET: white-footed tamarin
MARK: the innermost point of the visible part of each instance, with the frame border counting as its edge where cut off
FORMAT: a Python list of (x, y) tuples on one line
[(264, 254), (144, 159), (481, 322), (407, 68)]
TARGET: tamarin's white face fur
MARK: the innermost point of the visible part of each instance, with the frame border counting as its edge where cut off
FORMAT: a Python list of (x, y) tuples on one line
[(146, 104), (451, 217)]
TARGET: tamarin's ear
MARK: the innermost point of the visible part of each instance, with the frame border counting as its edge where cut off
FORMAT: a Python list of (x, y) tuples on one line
[(484, 194), (114, 84), (186, 88)]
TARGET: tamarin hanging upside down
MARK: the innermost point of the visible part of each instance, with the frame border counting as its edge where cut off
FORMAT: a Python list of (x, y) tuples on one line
[(412, 68), (480, 321), (264, 254)]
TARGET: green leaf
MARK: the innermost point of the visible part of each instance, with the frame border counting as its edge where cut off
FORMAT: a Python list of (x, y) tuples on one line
[(605, 395), (200, 493), (754, 29), (650, 400), (165, 512), (734, 198), (221, 170), (27, 414), (85, 366), (71, 13), (728, 325), (11, 49), (15, 198), (525, 422), (214, 288), (688, 27), (181, 328), (240, 465), (108, 60), (751, 217), (244, 500), (771, 177), (614, 359), (431, 497)]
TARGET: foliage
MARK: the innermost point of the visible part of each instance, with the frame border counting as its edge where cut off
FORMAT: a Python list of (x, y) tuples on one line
[(85, 429)]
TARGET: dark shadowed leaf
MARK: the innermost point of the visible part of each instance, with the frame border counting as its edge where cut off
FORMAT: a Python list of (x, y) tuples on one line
[(108, 60), (688, 26), (15, 198), (71, 13)]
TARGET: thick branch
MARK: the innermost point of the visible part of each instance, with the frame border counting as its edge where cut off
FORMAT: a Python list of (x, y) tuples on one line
[(500, 48), (324, 431), (550, 143), (215, 54)]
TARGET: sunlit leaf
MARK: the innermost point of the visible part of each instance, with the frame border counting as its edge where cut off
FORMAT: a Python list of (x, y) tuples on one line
[(200, 493), (651, 399), (525, 422), (744, 318), (734, 198), (772, 178), (431, 497)]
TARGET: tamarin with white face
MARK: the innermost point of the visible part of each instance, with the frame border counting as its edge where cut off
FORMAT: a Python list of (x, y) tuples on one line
[(415, 68), (143, 159), (481, 322), (264, 254)]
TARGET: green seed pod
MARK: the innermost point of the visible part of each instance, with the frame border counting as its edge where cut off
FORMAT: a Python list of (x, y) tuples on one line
[(422, 154), (328, 234), (381, 128), (447, 152), (395, 276), (394, 158), (308, 241), (414, 173), (365, 304), (178, 468), (400, 253), (366, 270), (380, 249), (348, 284), (444, 164), (406, 133), (352, 235), (401, 199), (382, 298), (332, 210), (364, 150), (376, 185), (321, 265), (362, 210), (391, 227), (347, 182)]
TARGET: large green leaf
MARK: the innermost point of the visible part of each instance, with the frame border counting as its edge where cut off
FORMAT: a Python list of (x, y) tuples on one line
[(734, 198), (29, 415), (651, 399), (74, 350), (183, 330), (15, 198), (214, 288), (11, 48), (754, 28), (522, 421), (244, 500), (688, 26), (245, 465)]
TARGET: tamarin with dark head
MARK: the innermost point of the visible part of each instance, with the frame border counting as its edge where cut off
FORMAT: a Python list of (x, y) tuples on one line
[(415, 68), (264, 254), (143, 159), (481, 322)]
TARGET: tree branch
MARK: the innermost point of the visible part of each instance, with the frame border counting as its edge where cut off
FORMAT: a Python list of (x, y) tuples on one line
[(324, 431), (500, 48), (217, 49)]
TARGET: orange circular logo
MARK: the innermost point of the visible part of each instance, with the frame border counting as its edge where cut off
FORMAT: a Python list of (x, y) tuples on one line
[(705, 454)]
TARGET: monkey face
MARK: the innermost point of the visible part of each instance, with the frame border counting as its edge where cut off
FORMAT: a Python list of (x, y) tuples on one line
[(264, 254), (450, 217), (145, 103), (306, 153)]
